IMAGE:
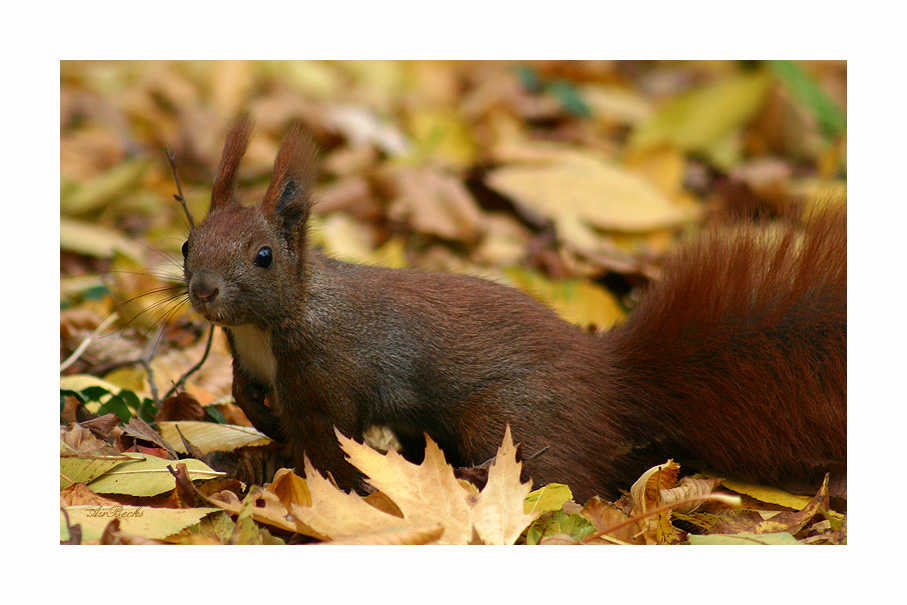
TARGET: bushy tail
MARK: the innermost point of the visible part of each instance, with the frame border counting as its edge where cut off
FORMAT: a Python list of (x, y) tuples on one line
[(741, 351)]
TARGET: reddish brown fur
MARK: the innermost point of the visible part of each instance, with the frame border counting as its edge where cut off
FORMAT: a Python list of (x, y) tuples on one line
[(742, 349), (234, 149), (737, 356)]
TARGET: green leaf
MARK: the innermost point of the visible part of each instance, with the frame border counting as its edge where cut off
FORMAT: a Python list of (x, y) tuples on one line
[(573, 525), (216, 415), (117, 406), (808, 92), (570, 98)]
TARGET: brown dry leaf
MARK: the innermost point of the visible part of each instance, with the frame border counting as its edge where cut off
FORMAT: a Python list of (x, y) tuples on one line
[(740, 521), (79, 494), (362, 127), (647, 490), (290, 488), (789, 522), (393, 537), (181, 406), (83, 441), (268, 509), (604, 515), (646, 495), (433, 202)]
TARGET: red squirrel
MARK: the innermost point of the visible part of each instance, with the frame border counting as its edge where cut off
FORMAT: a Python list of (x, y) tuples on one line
[(736, 357)]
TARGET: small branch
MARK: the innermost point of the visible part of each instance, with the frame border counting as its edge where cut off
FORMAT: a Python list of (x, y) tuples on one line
[(725, 498), (146, 363), (171, 159), (182, 381)]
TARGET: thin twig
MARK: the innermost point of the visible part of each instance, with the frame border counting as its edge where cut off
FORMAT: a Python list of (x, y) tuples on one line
[(146, 363), (87, 341), (171, 159), (725, 498), (182, 381)]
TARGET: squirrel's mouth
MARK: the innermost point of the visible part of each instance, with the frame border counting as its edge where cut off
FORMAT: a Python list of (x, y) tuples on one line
[(218, 318)]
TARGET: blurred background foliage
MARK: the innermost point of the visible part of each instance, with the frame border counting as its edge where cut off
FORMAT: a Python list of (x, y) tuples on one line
[(569, 180)]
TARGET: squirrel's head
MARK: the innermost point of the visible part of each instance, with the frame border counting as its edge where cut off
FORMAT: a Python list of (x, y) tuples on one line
[(245, 264)]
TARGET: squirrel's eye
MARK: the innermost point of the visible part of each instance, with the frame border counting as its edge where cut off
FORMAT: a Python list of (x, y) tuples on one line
[(263, 259), (186, 249)]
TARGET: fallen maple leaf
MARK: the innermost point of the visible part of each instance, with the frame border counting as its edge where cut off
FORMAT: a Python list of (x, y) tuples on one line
[(428, 495)]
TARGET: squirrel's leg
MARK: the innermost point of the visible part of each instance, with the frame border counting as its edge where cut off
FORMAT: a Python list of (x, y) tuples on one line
[(250, 397)]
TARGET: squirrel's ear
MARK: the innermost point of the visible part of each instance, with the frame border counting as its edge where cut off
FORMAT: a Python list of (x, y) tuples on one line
[(234, 148), (287, 200)]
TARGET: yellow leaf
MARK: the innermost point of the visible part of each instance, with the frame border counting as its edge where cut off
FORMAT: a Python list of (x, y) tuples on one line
[(767, 494), (580, 192), (85, 468), (94, 194), (335, 514), (209, 436), (132, 379), (153, 523), (426, 494), (578, 301), (93, 240), (80, 382), (696, 120), (393, 537), (442, 133), (548, 498), (148, 477)]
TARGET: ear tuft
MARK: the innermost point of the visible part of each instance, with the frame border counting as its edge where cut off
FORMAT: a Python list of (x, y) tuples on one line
[(234, 149), (287, 200)]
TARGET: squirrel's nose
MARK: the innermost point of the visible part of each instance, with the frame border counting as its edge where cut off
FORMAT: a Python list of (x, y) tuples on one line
[(203, 289)]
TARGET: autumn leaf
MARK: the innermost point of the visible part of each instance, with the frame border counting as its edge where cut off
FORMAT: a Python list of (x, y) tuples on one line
[(428, 496), (698, 119), (581, 192), (208, 436), (154, 523)]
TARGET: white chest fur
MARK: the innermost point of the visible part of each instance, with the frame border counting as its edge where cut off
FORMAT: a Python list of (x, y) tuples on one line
[(253, 350)]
